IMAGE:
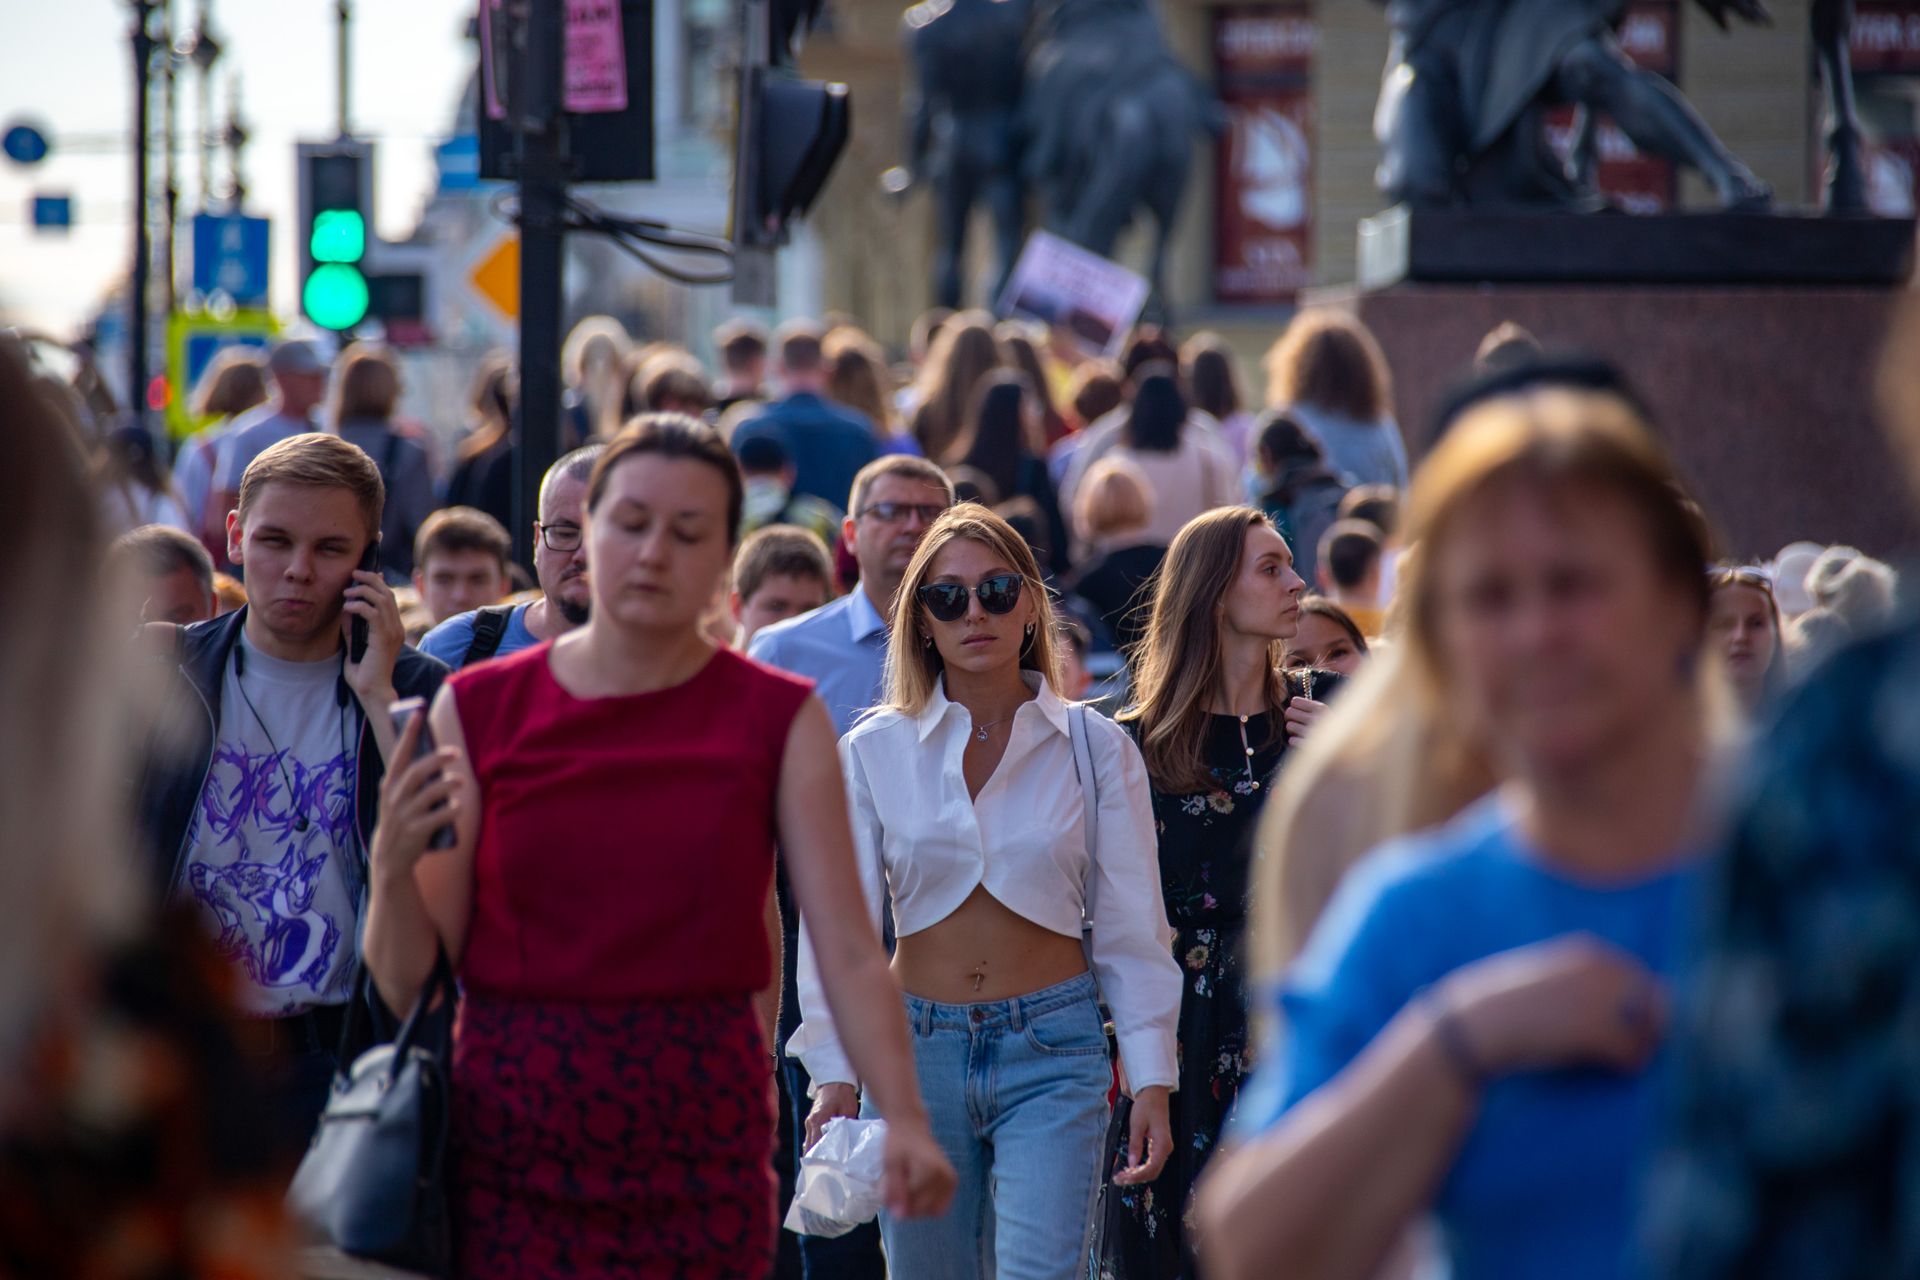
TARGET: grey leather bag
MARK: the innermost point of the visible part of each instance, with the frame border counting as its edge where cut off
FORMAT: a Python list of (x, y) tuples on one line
[(373, 1184)]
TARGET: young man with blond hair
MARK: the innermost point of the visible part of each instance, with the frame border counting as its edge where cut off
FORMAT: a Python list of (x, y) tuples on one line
[(261, 819)]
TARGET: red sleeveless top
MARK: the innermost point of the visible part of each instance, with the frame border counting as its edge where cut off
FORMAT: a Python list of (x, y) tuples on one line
[(626, 843)]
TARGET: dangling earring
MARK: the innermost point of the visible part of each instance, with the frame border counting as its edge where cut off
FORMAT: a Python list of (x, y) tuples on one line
[(929, 640)]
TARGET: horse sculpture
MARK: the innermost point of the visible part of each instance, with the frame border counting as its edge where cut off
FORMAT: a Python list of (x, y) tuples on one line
[(1468, 81), (1078, 101)]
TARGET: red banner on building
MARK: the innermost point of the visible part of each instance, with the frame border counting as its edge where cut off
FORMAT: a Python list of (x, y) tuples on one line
[(1263, 179), (1886, 37), (1650, 35)]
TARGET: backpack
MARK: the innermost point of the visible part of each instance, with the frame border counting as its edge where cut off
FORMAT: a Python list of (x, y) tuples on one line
[(489, 629)]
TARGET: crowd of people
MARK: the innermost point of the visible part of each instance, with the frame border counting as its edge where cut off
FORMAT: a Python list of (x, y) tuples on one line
[(1214, 845)]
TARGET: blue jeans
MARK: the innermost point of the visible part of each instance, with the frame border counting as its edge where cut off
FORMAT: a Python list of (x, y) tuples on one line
[(1017, 1092)]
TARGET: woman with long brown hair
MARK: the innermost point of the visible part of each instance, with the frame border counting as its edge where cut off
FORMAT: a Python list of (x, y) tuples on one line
[(483, 461), (965, 352), (1212, 713), (1470, 1031), (1328, 373), (1018, 909)]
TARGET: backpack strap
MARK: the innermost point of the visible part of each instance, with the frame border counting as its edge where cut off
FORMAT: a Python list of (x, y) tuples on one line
[(489, 629), (1090, 799)]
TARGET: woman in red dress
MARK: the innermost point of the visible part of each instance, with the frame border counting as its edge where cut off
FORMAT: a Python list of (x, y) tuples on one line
[(617, 795)]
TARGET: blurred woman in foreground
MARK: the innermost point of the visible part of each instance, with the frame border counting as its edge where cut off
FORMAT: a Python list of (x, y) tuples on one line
[(1472, 1029)]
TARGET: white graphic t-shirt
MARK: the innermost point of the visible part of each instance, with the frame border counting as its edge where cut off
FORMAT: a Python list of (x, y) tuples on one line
[(272, 856)]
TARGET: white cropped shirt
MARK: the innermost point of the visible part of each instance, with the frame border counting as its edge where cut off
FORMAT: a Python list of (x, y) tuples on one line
[(917, 834)]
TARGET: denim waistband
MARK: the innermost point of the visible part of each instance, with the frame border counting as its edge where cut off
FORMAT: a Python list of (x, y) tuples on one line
[(927, 1015)]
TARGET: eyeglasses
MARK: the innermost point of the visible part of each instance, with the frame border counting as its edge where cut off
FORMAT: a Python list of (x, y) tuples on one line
[(559, 537), (947, 601), (897, 512)]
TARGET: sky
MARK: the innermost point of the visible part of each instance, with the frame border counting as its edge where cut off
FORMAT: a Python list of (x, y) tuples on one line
[(66, 67)]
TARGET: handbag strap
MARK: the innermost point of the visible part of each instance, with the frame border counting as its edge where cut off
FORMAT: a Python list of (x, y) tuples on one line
[(438, 983), (1090, 800)]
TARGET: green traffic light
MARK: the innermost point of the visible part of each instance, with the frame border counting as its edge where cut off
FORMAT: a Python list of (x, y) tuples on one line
[(335, 296), (339, 235)]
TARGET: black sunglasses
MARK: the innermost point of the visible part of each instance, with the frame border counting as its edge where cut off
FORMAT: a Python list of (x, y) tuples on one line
[(947, 601)]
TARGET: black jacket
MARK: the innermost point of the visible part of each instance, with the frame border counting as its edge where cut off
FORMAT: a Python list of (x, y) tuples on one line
[(173, 774)]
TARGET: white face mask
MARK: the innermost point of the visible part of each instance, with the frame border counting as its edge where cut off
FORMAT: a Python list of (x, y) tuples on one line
[(765, 497)]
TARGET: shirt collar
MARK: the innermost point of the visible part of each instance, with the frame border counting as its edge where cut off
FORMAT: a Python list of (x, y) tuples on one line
[(1046, 701), (863, 620)]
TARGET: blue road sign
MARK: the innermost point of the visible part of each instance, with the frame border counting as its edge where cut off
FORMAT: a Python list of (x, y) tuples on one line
[(230, 256), (24, 144), (53, 213), (459, 161)]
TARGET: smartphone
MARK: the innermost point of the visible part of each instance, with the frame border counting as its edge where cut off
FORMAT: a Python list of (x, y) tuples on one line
[(402, 713), (356, 625)]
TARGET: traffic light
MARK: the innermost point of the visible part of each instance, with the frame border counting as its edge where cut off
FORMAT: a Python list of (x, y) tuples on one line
[(336, 201), (790, 133)]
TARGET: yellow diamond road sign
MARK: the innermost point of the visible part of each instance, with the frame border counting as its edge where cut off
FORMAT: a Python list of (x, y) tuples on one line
[(496, 277)]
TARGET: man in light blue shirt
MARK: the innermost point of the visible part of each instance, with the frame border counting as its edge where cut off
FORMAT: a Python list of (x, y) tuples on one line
[(842, 648)]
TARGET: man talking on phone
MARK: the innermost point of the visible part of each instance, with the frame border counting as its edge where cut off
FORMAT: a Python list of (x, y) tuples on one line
[(260, 818)]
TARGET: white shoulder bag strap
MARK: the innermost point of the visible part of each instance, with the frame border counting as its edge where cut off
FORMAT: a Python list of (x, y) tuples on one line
[(1090, 797)]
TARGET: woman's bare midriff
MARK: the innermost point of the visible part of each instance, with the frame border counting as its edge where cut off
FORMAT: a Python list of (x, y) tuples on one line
[(982, 952)]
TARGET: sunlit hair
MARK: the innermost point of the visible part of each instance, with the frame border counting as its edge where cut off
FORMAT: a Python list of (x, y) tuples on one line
[(596, 362), (316, 461), (965, 352), (1177, 663), (1392, 756), (1114, 499), (1723, 577), (366, 384), (1329, 360), (857, 376), (913, 665), (235, 381), (675, 437)]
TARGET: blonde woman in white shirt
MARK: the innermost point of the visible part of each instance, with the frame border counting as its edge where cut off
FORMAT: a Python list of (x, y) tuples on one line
[(968, 806)]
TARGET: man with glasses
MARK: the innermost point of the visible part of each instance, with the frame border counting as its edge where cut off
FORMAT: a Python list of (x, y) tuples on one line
[(842, 648), (559, 562)]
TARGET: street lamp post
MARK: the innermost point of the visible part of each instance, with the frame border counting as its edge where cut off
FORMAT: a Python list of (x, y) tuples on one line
[(143, 45)]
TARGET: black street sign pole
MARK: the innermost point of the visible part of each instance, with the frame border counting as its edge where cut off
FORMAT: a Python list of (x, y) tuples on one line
[(539, 127), (142, 261)]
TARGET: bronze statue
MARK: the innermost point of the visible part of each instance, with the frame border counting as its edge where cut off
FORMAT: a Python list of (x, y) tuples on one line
[(1078, 101), (1832, 39), (963, 126), (1111, 118), (1468, 82)]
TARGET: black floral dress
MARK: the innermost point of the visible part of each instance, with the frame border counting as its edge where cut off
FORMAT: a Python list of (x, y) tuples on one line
[(1206, 852)]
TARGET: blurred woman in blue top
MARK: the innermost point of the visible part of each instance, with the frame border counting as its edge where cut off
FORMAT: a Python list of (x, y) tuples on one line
[(1473, 1030)]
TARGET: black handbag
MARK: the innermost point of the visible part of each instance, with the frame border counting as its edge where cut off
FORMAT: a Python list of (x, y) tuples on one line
[(373, 1184)]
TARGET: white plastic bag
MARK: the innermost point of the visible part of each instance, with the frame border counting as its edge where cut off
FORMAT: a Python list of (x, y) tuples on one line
[(842, 1179)]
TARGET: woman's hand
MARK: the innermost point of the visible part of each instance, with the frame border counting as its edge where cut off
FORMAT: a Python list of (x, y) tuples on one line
[(415, 802), (1569, 1001), (1302, 714), (1149, 1137), (920, 1178), (830, 1102)]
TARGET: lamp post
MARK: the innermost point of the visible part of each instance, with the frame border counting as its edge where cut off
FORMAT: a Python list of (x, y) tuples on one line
[(143, 46)]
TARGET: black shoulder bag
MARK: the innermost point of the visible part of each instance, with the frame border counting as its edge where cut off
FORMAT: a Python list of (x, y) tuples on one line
[(373, 1184)]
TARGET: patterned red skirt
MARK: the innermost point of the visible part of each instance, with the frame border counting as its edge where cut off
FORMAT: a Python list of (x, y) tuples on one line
[(612, 1140)]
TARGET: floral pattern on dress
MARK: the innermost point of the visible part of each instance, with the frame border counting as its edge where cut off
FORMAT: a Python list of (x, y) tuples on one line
[(1206, 851)]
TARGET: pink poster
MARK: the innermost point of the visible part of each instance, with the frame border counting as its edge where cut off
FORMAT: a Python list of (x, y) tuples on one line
[(596, 74), (596, 57)]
